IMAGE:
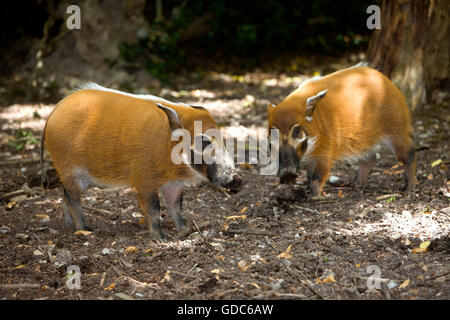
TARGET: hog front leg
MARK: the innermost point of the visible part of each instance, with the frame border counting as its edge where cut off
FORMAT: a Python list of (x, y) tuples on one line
[(319, 177), (172, 194)]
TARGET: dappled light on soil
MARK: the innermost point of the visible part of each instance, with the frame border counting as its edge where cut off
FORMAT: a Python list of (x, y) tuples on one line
[(266, 241)]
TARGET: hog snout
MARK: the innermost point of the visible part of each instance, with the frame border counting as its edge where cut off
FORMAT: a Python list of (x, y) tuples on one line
[(288, 164), (287, 176), (235, 184)]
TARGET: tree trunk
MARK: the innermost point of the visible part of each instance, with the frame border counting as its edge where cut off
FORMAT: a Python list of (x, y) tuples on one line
[(73, 56), (412, 48)]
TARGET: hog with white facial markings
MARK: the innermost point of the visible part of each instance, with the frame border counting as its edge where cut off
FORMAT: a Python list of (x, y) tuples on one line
[(342, 116), (111, 138)]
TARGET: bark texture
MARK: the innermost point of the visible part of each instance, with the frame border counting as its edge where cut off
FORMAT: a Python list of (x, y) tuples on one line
[(412, 48)]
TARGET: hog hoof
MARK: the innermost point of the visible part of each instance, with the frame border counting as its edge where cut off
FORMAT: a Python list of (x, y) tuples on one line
[(290, 193), (288, 178), (159, 236), (317, 198)]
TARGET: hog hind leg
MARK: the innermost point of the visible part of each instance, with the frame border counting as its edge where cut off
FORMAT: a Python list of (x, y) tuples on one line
[(73, 214)]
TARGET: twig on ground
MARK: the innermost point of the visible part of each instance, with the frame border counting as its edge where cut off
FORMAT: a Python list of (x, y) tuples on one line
[(221, 294), (25, 190), (19, 161), (438, 276), (305, 282), (185, 274), (388, 196), (20, 285), (12, 194), (250, 231), (198, 229), (326, 200), (139, 285), (193, 229), (102, 281), (102, 211), (290, 295), (226, 241), (123, 296), (190, 270), (307, 209)]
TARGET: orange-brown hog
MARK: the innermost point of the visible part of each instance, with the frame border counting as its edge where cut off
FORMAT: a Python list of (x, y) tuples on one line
[(342, 116), (107, 137)]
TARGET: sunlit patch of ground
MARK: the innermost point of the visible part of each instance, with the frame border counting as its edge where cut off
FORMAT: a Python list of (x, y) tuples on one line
[(24, 116), (425, 225), (340, 236)]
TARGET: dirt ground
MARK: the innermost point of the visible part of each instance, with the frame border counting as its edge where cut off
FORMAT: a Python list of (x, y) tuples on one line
[(265, 242)]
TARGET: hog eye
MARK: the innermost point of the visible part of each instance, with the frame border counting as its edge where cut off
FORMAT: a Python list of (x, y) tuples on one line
[(201, 143), (205, 143), (296, 132)]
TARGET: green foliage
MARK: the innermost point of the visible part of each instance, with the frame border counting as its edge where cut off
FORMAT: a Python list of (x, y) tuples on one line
[(248, 30), (159, 53), (22, 138), (252, 27)]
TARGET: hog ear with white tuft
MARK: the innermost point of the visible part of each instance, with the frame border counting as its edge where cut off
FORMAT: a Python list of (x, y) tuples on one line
[(198, 107), (174, 121), (311, 104), (270, 107)]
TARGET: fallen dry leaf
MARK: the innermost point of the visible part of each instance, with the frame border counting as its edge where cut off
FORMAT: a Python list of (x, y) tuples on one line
[(243, 210), (422, 248), (10, 205), (391, 168), (286, 254), (42, 216), (330, 278), (83, 232), (242, 217), (436, 163), (404, 284), (93, 274), (425, 244), (130, 249), (166, 276), (110, 287), (216, 271), (243, 265)]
